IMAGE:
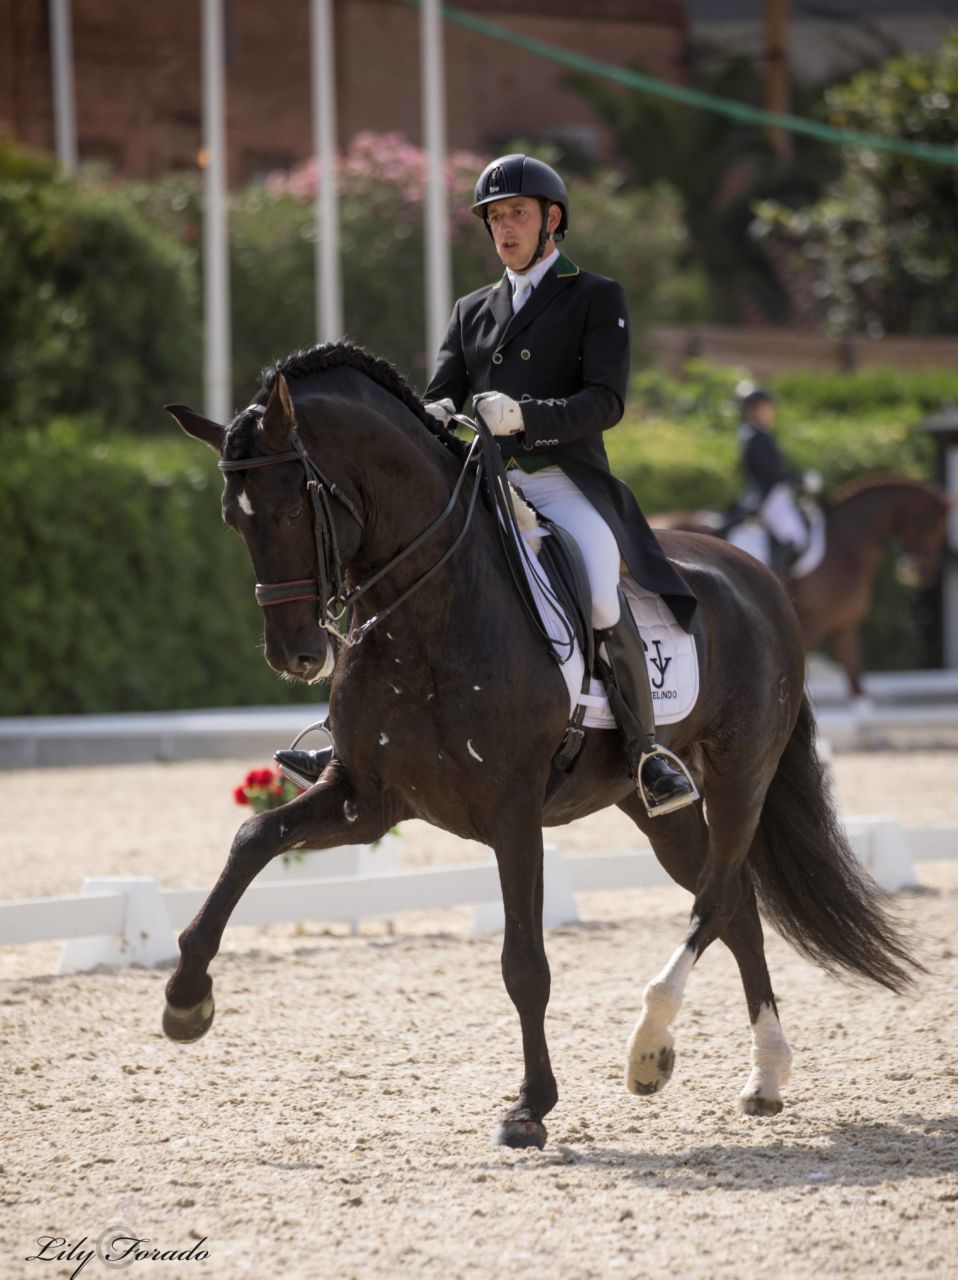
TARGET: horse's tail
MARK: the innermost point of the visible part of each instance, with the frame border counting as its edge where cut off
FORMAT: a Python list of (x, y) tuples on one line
[(809, 882)]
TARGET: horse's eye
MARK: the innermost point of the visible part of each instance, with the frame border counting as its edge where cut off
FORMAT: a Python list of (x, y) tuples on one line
[(295, 514)]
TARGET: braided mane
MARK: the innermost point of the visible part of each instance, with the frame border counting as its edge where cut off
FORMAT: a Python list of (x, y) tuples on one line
[(347, 355)]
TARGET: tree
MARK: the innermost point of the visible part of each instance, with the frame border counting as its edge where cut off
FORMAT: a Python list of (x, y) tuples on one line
[(718, 167), (880, 248)]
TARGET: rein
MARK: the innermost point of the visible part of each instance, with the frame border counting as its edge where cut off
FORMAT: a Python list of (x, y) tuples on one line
[(328, 587)]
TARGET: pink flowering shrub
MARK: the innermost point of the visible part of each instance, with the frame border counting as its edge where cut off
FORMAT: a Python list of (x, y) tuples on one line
[(389, 172)]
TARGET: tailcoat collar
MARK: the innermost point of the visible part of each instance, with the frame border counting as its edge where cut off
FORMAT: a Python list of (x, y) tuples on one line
[(558, 277)]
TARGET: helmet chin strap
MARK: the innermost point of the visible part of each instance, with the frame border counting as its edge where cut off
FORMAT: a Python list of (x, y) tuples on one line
[(543, 239)]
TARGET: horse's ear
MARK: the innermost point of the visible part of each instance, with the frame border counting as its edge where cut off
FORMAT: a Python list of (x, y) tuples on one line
[(279, 420), (194, 424)]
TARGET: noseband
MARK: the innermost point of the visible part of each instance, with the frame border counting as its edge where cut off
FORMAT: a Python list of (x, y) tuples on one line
[(328, 587)]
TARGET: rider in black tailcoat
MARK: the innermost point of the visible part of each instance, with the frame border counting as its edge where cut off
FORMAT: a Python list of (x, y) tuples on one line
[(772, 485), (565, 358)]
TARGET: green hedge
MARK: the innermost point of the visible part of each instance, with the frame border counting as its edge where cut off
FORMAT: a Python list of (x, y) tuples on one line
[(98, 310), (122, 589)]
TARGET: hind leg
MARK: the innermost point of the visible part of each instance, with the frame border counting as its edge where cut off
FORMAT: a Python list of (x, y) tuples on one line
[(680, 843), (683, 849), (771, 1056)]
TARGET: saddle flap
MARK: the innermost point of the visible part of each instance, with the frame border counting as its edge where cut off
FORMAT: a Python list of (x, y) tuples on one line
[(562, 560)]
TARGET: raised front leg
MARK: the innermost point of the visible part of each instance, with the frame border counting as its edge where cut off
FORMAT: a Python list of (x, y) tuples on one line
[(525, 971), (328, 814)]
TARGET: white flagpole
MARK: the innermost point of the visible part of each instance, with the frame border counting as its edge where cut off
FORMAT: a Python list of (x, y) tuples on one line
[(216, 280), (438, 264), (329, 289), (64, 99)]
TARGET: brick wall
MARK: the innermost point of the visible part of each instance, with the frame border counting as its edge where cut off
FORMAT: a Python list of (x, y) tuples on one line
[(138, 93), (495, 92)]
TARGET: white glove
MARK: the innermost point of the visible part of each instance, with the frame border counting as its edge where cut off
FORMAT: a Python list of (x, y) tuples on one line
[(501, 414), (441, 410)]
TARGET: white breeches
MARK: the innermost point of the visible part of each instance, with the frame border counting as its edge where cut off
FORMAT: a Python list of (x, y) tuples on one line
[(780, 515), (553, 494)]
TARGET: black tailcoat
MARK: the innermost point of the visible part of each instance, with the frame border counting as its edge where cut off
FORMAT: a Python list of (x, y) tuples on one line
[(565, 356), (763, 463)]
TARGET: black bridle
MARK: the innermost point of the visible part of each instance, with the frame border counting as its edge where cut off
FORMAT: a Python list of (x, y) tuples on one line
[(329, 585)]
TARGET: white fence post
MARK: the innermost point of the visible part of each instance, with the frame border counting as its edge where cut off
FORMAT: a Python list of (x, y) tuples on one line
[(558, 899), (879, 844), (146, 939)]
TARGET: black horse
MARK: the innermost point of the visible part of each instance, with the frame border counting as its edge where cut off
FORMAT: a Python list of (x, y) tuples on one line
[(451, 710)]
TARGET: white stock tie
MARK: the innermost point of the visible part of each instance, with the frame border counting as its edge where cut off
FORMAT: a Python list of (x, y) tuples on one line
[(520, 293)]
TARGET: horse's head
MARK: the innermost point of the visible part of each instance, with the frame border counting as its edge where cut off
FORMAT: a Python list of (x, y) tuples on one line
[(921, 535), (299, 530)]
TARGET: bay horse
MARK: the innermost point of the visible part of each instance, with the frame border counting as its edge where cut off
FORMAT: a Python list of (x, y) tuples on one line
[(864, 521), (340, 484)]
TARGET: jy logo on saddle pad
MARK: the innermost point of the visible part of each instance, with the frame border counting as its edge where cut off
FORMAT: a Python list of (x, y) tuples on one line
[(659, 663), (670, 655)]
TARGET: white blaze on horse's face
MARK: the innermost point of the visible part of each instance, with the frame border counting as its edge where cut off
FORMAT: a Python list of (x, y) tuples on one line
[(244, 503)]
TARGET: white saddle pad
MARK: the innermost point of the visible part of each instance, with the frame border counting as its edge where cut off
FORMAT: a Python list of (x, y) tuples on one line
[(814, 553), (751, 536), (670, 652)]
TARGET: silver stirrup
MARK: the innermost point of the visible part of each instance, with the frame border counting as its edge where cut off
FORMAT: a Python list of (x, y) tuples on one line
[(321, 725), (665, 806)]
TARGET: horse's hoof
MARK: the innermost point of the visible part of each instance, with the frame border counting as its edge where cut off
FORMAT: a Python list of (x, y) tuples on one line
[(521, 1133), (753, 1104), (651, 1073), (186, 1025)]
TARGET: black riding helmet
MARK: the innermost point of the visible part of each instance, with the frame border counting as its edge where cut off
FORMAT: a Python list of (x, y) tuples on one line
[(520, 175), (750, 394)]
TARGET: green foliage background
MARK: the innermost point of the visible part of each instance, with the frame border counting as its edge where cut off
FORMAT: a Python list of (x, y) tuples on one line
[(122, 589), (98, 310), (880, 245)]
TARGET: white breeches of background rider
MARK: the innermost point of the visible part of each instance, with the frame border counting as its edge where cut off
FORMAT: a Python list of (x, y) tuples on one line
[(554, 495), (780, 515)]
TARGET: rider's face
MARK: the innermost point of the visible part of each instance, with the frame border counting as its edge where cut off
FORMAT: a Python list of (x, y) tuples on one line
[(764, 413), (515, 224)]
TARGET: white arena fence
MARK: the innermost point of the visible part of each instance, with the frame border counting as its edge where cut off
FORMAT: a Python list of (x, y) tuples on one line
[(131, 920)]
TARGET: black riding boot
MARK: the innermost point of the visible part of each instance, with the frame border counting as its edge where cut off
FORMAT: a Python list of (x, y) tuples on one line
[(663, 787), (304, 767)]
